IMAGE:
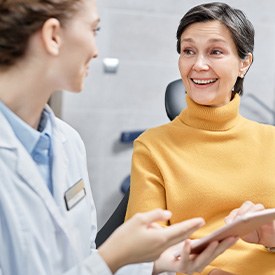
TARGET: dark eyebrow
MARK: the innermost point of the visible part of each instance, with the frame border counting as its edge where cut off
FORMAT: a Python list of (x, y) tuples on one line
[(218, 40), (186, 40), (212, 40)]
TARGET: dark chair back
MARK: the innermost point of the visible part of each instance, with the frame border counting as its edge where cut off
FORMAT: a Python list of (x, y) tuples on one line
[(116, 219), (174, 98)]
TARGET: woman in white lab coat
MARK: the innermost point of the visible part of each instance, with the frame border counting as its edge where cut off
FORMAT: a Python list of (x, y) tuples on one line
[(47, 213)]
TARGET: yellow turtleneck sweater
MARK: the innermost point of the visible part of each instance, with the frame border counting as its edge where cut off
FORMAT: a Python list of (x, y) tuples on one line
[(205, 163)]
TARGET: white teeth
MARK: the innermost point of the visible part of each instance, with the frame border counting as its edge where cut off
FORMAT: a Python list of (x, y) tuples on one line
[(200, 81)]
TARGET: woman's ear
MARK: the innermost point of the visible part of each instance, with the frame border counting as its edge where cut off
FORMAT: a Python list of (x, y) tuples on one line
[(245, 64), (51, 38)]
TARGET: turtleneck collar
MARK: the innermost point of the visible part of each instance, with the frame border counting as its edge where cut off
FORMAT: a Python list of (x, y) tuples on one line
[(211, 118)]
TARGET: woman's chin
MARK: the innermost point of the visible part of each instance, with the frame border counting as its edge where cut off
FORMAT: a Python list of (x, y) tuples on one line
[(203, 100), (207, 99)]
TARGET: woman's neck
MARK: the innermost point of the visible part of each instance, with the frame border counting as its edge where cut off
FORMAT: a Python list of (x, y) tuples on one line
[(25, 93)]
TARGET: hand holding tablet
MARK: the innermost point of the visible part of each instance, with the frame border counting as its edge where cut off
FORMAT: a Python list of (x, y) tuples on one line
[(238, 228)]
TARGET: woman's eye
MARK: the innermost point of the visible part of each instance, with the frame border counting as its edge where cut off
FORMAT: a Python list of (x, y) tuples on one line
[(96, 30), (188, 52), (216, 52)]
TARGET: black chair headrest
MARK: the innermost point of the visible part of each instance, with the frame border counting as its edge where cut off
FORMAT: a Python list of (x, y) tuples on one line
[(174, 98)]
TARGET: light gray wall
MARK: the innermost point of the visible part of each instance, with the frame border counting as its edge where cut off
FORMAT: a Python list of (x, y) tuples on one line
[(142, 35)]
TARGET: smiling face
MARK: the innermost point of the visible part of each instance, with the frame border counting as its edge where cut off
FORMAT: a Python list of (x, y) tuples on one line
[(209, 63), (78, 46)]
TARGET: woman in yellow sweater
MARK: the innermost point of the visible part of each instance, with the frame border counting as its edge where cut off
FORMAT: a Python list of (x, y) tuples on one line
[(210, 160)]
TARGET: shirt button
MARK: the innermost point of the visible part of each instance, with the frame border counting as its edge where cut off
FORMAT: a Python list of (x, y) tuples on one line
[(37, 157), (43, 142)]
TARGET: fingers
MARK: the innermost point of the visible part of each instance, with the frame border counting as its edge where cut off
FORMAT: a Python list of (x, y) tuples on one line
[(156, 215), (185, 255), (204, 258), (184, 260), (222, 246), (213, 250), (220, 272), (190, 263), (181, 231), (246, 207)]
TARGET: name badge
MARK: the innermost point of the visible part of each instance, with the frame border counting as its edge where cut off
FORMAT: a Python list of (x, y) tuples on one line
[(74, 194)]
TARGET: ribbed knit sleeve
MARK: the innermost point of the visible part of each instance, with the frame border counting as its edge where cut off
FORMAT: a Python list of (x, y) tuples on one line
[(147, 190)]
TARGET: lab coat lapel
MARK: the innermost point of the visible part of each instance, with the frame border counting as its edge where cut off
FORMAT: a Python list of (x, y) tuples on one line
[(61, 177), (35, 181), (27, 170), (21, 160), (23, 163), (60, 169)]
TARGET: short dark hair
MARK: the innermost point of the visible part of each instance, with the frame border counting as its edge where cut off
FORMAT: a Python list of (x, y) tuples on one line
[(20, 19), (240, 27)]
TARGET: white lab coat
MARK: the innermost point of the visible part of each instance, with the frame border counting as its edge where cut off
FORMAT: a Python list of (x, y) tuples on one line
[(37, 233)]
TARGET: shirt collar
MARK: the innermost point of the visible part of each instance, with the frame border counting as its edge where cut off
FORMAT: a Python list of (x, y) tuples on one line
[(24, 132)]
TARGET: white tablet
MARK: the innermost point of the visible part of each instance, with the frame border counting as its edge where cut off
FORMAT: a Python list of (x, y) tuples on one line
[(240, 227)]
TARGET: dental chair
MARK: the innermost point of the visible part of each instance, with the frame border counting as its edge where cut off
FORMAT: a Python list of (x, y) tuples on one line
[(174, 103)]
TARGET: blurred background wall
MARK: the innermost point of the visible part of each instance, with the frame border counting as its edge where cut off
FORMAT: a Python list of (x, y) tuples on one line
[(141, 34)]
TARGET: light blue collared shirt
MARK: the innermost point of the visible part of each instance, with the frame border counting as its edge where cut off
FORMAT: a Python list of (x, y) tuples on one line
[(36, 142)]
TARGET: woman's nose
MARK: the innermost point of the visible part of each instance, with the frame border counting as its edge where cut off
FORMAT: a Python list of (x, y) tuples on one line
[(201, 63)]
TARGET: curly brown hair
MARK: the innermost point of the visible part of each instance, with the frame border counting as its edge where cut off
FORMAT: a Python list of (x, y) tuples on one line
[(19, 19)]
